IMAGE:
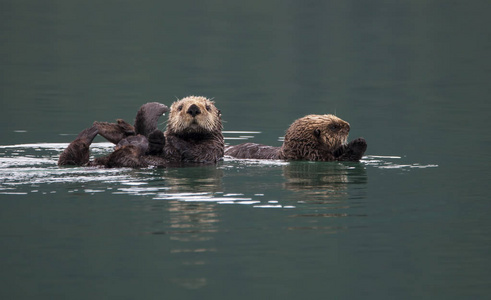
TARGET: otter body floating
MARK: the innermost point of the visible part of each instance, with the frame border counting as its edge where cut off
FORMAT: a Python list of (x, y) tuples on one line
[(194, 131), (313, 137), (193, 135)]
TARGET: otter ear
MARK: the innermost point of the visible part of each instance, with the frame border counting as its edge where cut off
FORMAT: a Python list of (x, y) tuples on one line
[(317, 132), (219, 113)]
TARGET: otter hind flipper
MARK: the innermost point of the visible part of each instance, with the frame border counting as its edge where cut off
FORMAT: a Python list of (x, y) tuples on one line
[(115, 132), (253, 151), (147, 117), (77, 152)]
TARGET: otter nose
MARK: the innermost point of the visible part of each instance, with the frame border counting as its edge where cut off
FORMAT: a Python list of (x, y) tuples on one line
[(193, 110)]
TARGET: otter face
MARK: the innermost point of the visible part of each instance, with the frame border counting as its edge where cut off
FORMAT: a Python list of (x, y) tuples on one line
[(194, 115), (330, 130), (315, 137)]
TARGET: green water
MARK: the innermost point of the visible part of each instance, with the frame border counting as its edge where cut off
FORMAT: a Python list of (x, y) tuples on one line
[(410, 221)]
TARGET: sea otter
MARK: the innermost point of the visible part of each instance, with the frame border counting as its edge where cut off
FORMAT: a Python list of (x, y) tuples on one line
[(313, 137), (194, 132), (193, 135)]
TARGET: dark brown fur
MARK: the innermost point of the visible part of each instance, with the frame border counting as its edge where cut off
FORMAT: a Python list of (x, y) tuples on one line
[(123, 134), (115, 132), (313, 137), (194, 132), (146, 122), (253, 151), (193, 135), (77, 153)]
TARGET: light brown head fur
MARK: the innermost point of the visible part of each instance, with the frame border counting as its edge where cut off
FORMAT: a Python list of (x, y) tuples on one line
[(194, 115), (314, 137)]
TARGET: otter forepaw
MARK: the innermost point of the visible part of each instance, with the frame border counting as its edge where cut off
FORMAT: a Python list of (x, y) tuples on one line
[(353, 151), (358, 145), (357, 148), (156, 142)]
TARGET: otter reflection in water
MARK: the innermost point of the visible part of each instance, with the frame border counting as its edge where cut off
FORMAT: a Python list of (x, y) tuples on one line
[(323, 178), (313, 137), (193, 135)]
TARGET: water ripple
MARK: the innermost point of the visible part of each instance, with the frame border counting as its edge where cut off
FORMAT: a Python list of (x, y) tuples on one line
[(32, 168), (389, 162)]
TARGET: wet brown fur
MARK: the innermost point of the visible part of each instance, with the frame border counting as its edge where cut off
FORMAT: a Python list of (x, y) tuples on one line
[(115, 132), (77, 153), (122, 134), (194, 131), (313, 137), (146, 122), (193, 135)]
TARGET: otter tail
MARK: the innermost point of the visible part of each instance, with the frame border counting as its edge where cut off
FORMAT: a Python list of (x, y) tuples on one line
[(253, 151)]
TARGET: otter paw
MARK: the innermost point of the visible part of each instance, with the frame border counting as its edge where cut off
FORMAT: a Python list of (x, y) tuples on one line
[(156, 142), (359, 144), (357, 148)]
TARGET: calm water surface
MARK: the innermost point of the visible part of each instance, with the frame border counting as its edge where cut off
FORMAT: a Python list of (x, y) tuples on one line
[(410, 221)]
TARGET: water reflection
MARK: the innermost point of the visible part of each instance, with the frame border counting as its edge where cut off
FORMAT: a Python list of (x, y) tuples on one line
[(30, 168), (316, 191), (198, 179), (319, 197), (191, 229), (327, 177), (326, 191), (190, 219)]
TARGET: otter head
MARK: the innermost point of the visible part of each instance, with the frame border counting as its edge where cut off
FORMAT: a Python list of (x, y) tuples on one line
[(194, 116), (147, 117), (314, 137)]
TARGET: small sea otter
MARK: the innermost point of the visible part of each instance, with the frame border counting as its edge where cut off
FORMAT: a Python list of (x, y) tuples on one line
[(313, 137)]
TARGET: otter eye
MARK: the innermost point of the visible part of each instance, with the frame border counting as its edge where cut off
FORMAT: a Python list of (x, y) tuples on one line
[(334, 127), (208, 108), (317, 132), (179, 108)]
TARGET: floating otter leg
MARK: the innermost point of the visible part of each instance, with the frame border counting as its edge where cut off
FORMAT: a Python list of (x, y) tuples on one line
[(147, 117), (146, 122), (353, 151), (115, 132), (77, 152)]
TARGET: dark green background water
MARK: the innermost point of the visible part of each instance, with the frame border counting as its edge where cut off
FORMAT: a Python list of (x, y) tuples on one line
[(411, 221)]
